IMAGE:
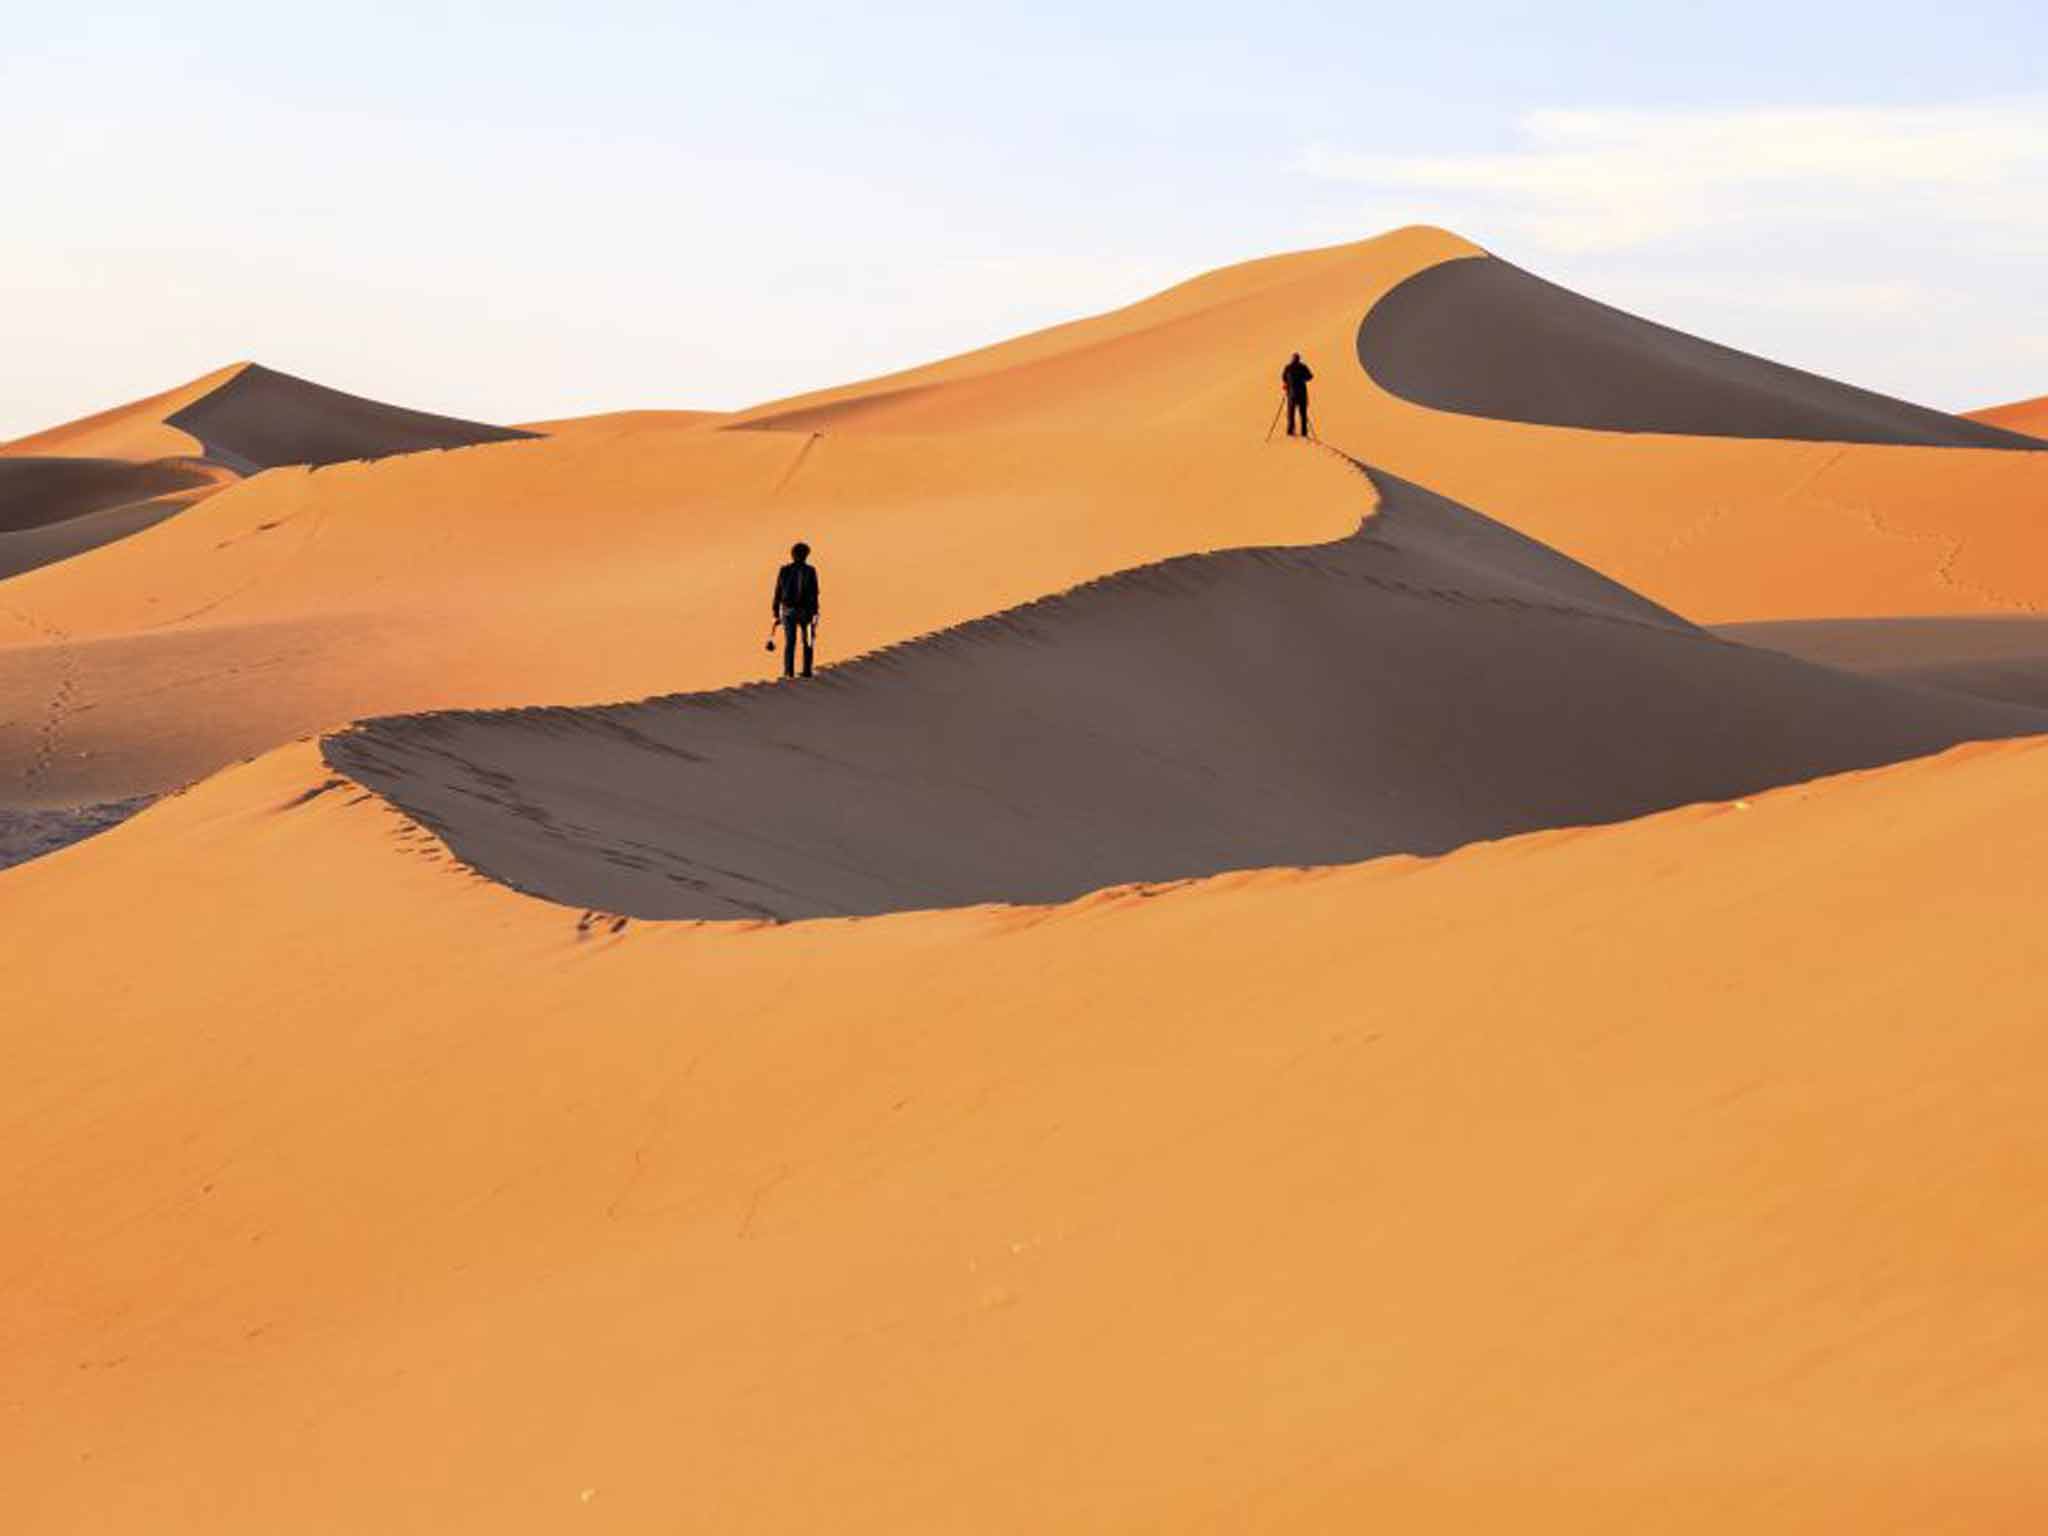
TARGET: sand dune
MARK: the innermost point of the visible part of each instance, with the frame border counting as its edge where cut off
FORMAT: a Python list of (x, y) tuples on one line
[(135, 431), (35, 492), (1722, 529), (2028, 416), (1432, 680), (53, 509), (624, 557), (1485, 338), (260, 419), (605, 420), (1409, 1194), (1991, 658), (1678, 1174), (606, 564), (91, 482)]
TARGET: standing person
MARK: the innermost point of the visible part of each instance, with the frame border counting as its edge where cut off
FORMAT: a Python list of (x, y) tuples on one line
[(1294, 380), (795, 606)]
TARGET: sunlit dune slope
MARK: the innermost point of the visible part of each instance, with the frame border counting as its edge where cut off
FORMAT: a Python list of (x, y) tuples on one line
[(1720, 528), (2028, 416), (608, 563), (1431, 680), (136, 431), (78, 487), (607, 420), (1675, 1176)]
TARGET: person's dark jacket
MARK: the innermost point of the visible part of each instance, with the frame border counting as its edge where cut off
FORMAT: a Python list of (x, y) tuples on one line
[(1294, 378), (796, 591)]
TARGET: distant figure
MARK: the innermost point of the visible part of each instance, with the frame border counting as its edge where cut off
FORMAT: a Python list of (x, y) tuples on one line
[(795, 607), (1294, 379)]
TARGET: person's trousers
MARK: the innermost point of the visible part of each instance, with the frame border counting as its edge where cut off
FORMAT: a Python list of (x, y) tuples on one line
[(795, 629), (1297, 410)]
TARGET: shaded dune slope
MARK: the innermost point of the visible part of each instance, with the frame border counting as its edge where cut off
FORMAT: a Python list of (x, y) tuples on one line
[(32, 548), (261, 419), (54, 508), (1993, 658), (1482, 337), (1433, 680), (35, 492)]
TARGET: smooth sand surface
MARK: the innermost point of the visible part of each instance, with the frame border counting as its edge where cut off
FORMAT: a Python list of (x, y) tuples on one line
[(604, 420), (1485, 338), (2028, 416), (1433, 680), (32, 548), (1992, 658), (36, 492), (1676, 1176)]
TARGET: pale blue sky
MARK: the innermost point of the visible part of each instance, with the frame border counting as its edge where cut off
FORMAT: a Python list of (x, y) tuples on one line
[(519, 210)]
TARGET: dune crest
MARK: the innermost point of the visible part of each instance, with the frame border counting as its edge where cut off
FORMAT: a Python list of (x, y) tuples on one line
[(1432, 680)]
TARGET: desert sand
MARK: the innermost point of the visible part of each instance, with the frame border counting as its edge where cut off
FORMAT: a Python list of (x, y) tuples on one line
[(618, 558), (2028, 416), (1431, 681), (1648, 1140), (1657, 1176)]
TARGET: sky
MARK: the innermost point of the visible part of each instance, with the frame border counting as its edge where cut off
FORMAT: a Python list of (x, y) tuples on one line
[(515, 211)]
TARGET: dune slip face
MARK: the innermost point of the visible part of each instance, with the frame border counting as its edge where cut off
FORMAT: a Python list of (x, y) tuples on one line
[(1482, 337), (261, 419), (1433, 680)]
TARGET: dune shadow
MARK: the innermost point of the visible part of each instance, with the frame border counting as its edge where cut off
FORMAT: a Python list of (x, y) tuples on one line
[(1431, 680)]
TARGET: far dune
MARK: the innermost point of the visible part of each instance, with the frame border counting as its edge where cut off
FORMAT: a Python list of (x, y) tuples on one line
[(2028, 416)]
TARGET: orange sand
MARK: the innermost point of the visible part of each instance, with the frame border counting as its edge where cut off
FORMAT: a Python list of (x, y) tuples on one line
[(2021, 416), (622, 557), (610, 562), (1723, 530), (1676, 1176), (132, 431)]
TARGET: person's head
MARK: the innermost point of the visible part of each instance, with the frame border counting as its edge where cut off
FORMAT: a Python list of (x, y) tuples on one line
[(799, 552), (1297, 357)]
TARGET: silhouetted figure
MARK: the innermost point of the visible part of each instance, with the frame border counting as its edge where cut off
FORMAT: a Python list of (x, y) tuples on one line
[(795, 607), (1294, 379)]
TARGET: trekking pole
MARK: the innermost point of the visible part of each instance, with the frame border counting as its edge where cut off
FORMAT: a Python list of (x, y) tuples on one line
[(1276, 415)]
